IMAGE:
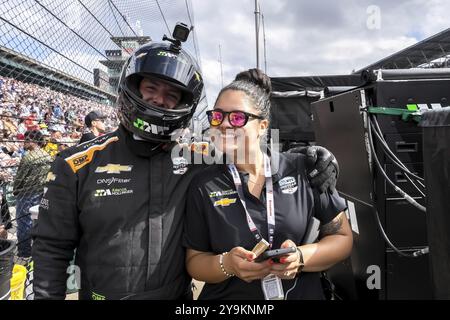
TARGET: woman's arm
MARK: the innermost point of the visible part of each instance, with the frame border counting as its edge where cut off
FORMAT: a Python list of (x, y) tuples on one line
[(335, 244), (205, 266)]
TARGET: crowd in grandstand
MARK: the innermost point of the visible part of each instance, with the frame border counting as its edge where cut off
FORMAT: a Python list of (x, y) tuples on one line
[(58, 119)]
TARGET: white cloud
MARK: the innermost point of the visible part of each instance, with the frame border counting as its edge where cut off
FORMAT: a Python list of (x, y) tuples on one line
[(309, 37)]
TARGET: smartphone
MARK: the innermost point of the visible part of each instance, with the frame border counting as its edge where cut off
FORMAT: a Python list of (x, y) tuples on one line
[(275, 254)]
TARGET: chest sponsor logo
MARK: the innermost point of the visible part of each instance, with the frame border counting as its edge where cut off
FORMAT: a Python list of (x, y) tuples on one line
[(112, 192), (222, 193), (225, 202), (180, 165), (288, 185), (113, 169), (114, 180)]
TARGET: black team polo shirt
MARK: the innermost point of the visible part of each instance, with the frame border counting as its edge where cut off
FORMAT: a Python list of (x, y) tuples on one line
[(216, 221)]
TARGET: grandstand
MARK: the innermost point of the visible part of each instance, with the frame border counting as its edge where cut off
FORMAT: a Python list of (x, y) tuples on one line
[(25, 69)]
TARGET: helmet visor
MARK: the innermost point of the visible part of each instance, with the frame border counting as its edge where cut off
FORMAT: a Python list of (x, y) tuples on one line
[(173, 67)]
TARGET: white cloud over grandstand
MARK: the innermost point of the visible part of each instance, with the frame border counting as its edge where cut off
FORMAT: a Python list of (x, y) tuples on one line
[(310, 37)]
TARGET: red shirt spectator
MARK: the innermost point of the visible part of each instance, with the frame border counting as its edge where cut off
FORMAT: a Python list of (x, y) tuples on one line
[(31, 122)]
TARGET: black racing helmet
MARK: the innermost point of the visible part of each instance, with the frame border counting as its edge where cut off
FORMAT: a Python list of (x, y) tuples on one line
[(167, 63)]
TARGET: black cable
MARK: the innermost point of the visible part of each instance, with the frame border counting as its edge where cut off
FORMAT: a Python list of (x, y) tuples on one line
[(89, 44), (46, 45), (397, 161), (399, 165), (164, 18), (76, 33), (379, 135), (417, 180), (55, 142), (378, 130), (41, 121), (9, 167), (101, 24), (396, 188), (415, 186), (114, 15), (123, 17), (415, 254), (197, 53), (375, 211), (87, 9)]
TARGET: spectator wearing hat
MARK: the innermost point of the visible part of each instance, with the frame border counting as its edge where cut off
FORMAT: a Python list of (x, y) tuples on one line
[(95, 125), (29, 186)]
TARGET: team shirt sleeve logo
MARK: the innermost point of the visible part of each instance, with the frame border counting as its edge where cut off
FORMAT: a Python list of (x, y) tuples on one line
[(288, 185)]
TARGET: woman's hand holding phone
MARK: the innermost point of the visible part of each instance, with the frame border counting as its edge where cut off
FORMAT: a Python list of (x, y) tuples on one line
[(288, 265)]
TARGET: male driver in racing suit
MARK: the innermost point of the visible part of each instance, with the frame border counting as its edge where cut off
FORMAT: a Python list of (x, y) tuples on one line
[(119, 200)]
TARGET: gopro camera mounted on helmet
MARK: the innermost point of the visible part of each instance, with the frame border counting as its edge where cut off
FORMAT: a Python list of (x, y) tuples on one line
[(180, 34)]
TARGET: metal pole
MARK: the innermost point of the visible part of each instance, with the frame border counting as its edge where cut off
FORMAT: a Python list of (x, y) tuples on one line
[(264, 37), (257, 32)]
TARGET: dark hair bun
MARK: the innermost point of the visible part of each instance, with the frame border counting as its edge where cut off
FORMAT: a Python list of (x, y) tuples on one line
[(257, 77)]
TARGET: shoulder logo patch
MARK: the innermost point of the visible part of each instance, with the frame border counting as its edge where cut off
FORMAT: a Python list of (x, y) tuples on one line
[(82, 158), (180, 165), (288, 185)]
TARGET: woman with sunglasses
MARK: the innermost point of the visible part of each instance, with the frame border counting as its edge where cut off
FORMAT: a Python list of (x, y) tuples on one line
[(258, 201)]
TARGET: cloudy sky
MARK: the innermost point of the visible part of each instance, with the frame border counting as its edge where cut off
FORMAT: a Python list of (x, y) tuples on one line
[(305, 37)]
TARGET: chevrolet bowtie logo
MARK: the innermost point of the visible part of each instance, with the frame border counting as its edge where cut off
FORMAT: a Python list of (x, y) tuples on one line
[(113, 169), (225, 202)]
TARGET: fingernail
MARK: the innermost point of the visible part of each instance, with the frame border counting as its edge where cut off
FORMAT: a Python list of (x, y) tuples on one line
[(282, 260)]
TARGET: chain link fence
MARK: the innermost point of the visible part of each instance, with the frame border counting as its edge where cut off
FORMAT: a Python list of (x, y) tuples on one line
[(59, 60)]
